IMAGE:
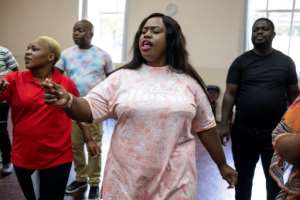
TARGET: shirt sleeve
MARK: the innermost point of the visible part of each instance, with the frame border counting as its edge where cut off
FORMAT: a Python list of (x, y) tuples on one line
[(61, 63), (73, 89), (108, 66), (234, 72), (102, 97), (291, 117), (10, 61), (292, 76), (204, 118)]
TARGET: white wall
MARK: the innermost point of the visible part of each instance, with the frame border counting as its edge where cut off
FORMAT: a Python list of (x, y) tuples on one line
[(23, 20), (213, 28)]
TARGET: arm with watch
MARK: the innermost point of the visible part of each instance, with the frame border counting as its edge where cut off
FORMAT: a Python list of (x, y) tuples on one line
[(56, 94), (76, 107)]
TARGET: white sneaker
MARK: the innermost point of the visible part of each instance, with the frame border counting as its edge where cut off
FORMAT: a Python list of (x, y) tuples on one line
[(7, 169)]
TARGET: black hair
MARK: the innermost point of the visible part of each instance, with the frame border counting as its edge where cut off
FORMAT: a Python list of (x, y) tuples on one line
[(87, 24), (176, 53), (267, 20)]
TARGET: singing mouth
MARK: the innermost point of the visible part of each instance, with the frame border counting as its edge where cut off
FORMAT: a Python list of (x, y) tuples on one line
[(27, 60), (146, 45), (259, 37)]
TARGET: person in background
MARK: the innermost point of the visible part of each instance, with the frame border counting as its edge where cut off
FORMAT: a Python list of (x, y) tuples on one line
[(86, 65), (41, 133), (260, 83), (7, 64), (161, 106), (286, 142), (213, 94)]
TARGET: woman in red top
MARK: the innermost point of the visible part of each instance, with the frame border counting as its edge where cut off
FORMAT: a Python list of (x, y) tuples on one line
[(41, 133)]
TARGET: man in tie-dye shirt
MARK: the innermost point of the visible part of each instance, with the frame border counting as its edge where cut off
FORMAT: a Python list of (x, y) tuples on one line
[(87, 65)]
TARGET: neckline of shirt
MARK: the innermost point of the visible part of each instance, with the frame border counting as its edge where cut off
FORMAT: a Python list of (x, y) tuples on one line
[(156, 69), (263, 56), (84, 49)]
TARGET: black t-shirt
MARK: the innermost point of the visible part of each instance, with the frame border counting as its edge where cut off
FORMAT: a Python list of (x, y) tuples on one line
[(263, 81)]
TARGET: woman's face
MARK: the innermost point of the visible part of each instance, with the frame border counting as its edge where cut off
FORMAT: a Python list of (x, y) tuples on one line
[(37, 54), (152, 42)]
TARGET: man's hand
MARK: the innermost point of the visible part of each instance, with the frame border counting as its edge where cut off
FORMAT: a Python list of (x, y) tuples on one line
[(93, 147)]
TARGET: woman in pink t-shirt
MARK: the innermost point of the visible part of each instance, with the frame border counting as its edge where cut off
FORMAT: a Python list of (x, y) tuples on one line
[(160, 104)]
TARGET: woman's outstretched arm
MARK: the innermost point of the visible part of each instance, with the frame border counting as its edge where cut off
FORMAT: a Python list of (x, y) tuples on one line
[(76, 107)]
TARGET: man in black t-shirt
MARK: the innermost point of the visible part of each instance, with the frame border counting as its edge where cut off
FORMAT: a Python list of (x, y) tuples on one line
[(260, 83)]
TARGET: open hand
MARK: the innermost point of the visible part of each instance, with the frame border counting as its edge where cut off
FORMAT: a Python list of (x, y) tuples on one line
[(55, 94)]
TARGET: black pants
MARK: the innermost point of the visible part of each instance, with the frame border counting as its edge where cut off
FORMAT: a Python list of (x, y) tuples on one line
[(5, 146), (53, 182), (248, 144)]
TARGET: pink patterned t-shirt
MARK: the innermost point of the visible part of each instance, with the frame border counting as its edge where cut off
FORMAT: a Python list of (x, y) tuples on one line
[(158, 112)]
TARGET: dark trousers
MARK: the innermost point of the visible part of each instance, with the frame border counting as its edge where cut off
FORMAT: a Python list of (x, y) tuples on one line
[(5, 146), (248, 145), (53, 182)]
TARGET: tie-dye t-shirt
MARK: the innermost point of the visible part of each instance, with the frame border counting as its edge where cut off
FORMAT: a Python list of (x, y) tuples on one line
[(152, 153), (86, 67)]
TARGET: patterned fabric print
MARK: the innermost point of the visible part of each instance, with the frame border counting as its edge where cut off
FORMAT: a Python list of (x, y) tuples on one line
[(86, 67), (7, 61), (152, 153), (290, 124), (281, 196)]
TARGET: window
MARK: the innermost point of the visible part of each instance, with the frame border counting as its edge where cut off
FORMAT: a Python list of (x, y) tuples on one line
[(108, 18), (286, 17)]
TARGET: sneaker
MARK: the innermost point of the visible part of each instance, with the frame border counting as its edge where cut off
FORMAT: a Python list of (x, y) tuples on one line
[(76, 186), (7, 169), (94, 193)]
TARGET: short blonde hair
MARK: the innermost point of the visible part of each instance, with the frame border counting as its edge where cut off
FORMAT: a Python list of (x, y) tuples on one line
[(53, 45)]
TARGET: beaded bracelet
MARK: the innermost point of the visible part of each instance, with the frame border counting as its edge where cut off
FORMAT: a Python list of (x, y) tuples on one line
[(69, 103)]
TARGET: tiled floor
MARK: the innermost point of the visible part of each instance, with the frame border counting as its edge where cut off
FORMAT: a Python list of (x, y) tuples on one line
[(211, 186)]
